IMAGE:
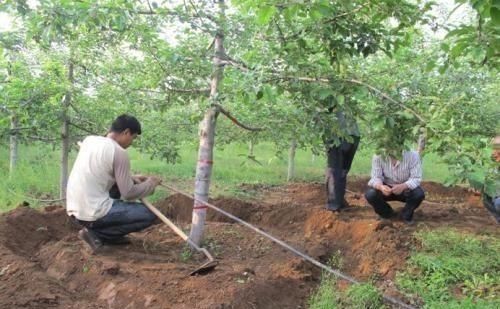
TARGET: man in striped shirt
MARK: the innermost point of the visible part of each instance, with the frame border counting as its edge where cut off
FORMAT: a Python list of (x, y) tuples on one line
[(396, 180)]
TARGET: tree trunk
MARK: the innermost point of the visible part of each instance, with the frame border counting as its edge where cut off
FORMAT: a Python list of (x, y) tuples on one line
[(291, 160), (203, 174), (250, 149), (65, 134), (421, 144), (14, 122), (207, 141)]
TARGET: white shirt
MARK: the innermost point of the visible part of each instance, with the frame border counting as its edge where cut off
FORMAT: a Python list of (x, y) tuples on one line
[(408, 170), (100, 163)]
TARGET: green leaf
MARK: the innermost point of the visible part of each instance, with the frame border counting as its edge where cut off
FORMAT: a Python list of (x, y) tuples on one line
[(259, 95), (495, 14), (457, 49), (340, 100), (430, 65), (265, 15), (324, 93)]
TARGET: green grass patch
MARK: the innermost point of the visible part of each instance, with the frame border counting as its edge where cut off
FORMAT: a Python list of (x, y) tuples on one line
[(363, 295), (326, 297), (37, 173), (36, 176), (454, 270)]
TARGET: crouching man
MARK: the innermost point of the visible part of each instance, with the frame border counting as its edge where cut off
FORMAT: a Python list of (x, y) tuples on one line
[(491, 188), (396, 179), (103, 162)]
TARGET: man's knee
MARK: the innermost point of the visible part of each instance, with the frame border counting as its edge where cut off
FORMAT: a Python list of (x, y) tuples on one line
[(371, 195), (417, 194), (146, 214)]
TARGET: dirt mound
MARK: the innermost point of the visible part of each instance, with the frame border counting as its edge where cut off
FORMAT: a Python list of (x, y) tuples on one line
[(44, 265), (24, 230), (180, 208)]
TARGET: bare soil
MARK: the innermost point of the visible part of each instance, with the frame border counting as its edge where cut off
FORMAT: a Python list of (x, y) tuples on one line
[(44, 265)]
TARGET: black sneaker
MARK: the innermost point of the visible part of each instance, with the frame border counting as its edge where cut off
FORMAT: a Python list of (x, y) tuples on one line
[(92, 241)]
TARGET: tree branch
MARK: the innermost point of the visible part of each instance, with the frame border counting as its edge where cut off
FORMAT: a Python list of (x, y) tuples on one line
[(83, 129), (334, 18), (191, 90), (234, 120), (386, 96)]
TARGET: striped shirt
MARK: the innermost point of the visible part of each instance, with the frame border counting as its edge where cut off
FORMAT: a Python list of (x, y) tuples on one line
[(408, 171)]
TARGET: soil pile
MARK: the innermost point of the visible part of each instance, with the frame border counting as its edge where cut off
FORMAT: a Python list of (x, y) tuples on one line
[(44, 265)]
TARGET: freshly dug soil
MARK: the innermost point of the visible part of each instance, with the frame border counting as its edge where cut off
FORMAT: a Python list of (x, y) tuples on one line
[(44, 265)]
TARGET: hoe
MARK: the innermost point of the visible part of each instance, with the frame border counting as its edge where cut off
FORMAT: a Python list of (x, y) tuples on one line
[(204, 268)]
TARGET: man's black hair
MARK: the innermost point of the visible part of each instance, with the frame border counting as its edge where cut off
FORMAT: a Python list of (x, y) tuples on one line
[(124, 122)]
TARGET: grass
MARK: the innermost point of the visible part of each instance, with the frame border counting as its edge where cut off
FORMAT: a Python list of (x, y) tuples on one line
[(37, 174), (454, 270), (363, 295), (450, 269)]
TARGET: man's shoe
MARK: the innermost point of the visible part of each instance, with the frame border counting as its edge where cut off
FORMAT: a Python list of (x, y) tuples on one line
[(345, 204), (409, 222), (120, 241), (92, 241), (332, 207)]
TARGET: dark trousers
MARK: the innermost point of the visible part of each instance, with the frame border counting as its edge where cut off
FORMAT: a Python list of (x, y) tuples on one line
[(123, 218), (339, 163), (412, 198), (493, 206)]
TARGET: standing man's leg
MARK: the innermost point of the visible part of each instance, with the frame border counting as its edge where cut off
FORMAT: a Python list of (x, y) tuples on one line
[(413, 199), (333, 174), (348, 150)]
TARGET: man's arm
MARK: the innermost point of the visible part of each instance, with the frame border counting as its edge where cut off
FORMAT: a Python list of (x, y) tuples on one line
[(377, 175), (415, 172), (128, 189)]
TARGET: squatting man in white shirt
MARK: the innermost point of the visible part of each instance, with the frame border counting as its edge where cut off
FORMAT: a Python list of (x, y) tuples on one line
[(103, 163), (396, 178)]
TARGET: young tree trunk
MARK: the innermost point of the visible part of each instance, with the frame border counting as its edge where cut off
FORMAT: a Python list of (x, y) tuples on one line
[(65, 135), (421, 144), (291, 160), (250, 149), (14, 122), (207, 140), (203, 174)]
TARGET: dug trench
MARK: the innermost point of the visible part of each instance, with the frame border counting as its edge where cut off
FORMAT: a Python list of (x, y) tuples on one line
[(44, 265)]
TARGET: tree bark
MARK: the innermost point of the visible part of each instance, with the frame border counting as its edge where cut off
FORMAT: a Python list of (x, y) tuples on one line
[(207, 140), (14, 123), (291, 160), (65, 134), (421, 144), (250, 149)]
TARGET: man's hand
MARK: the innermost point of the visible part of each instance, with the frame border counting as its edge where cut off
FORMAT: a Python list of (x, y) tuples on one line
[(139, 178), (155, 180), (398, 189), (386, 190)]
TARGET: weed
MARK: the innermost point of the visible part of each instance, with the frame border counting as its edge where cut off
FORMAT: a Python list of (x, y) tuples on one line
[(454, 270), (336, 261), (364, 295), (186, 253), (325, 297)]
